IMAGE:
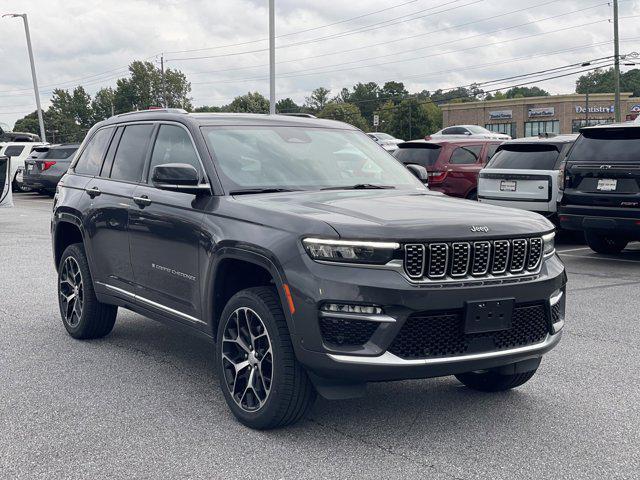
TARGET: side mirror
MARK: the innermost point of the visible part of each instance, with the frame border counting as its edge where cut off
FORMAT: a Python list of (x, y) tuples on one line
[(419, 171), (178, 177)]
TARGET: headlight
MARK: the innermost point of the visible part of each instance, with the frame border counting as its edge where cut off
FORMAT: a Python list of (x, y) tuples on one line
[(348, 251), (549, 241)]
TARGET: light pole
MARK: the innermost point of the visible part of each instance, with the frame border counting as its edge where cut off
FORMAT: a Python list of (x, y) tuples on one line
[(616, 62), (272, 58), (33, 71)]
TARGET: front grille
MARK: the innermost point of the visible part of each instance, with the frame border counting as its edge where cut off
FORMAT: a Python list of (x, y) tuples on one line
[(556, 314), (345, 332), (429, 335), (459, 260)]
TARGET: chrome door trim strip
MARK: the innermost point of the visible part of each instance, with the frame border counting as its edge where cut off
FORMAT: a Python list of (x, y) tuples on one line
[(390, 360), (157, 305)]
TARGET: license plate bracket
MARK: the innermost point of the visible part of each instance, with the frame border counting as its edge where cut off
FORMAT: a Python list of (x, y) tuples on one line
[(508, 185), (488, 315), (607, 184)]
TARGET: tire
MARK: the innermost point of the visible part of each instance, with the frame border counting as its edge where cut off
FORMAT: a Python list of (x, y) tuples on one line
[(473, 195), (600, 243), (489, 381), (88, 318), (19, 186), (278, 391)]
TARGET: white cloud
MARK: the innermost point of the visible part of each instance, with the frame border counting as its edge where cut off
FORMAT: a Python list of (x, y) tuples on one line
[(83, 38)]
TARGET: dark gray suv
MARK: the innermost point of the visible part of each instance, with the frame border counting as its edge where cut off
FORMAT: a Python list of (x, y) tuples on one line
[(312, 258)]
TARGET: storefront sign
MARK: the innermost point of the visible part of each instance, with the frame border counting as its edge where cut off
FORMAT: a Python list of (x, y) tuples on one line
[(501, 114), (595, 109), (542, 112)]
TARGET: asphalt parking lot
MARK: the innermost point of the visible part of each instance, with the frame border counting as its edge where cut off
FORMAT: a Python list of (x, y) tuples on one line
[(144, 403)]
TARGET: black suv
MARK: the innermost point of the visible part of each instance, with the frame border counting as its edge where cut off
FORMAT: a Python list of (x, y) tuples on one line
[(312, 257), (602, 187)]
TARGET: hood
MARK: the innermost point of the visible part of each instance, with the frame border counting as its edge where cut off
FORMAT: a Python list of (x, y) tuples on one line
[(402, 215)]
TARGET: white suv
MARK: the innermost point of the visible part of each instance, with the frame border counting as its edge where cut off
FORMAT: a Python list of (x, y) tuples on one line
[(18, 152), (524, 174)]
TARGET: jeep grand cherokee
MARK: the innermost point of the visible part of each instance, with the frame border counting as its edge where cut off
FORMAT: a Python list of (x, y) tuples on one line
[(313, 259)]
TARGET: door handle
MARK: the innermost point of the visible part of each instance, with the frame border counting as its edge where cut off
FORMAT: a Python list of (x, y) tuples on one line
[(93, 192), (142, 201)]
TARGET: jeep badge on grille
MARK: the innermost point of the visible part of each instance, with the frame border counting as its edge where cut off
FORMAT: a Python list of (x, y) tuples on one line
[(479, 228)]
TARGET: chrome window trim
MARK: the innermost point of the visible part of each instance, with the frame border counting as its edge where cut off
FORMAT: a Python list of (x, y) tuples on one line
[(389, 359), (157, 305)]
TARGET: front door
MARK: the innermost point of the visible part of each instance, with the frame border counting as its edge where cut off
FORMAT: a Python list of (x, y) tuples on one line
[(165, 233)]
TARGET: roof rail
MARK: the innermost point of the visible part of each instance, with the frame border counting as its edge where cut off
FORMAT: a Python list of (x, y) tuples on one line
[(154, 110)]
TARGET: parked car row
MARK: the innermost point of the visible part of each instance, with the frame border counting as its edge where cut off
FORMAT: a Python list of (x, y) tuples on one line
[(46, 166)]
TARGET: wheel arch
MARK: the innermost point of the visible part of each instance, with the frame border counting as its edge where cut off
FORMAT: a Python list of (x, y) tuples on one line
[(235, 268), (67, 229)]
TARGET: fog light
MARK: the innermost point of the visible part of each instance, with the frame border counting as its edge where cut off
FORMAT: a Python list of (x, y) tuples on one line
[(345, 308)]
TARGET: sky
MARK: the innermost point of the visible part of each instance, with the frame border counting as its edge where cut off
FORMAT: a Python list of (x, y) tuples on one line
[(427, 44)]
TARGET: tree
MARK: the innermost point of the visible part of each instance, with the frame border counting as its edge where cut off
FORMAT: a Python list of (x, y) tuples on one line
[(287, 105), (459, 95), (413, 118), (602, 81), (523, 92), (318, 99), (365, 96), (344, 112), (249, 103), (207, 109), (394, 91), (103, 104)]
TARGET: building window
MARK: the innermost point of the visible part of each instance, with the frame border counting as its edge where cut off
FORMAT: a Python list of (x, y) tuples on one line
[(507, 128), (576, 125), (533, 129)]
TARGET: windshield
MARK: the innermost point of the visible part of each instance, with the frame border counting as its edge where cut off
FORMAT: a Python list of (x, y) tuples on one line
[(607, 145), (525, 157), (58, 153), (302, 158), (425, 156)]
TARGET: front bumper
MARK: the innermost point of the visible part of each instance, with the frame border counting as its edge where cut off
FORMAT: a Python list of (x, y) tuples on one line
[(372, 361)]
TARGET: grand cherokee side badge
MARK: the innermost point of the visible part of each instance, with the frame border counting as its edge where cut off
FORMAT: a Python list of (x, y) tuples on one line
[(480, 228)]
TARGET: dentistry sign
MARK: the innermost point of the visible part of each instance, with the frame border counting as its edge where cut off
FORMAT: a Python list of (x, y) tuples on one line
[(595, 109)]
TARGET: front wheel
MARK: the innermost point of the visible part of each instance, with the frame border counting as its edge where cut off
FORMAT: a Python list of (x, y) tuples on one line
[(262, 382), (491, 381), (82, 314), (600, 243)]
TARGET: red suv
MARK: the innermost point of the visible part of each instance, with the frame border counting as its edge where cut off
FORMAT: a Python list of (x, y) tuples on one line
[(453, 165)]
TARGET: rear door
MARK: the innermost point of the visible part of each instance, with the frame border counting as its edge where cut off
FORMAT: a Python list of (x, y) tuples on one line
[(463, 167), (522, 172), (603, 168)]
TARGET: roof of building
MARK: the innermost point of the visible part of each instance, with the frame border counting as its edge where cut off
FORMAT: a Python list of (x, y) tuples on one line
[(594, 97)]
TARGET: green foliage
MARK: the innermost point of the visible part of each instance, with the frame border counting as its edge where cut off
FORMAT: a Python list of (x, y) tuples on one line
[(317, 100), (366, 97), (602, 81), (287, 105), (412, 118), (249, 103), (523, 92), (344, 112), (207, 109)]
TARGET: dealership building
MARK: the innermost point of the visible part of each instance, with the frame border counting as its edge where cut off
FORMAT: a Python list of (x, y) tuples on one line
[(530, 116)]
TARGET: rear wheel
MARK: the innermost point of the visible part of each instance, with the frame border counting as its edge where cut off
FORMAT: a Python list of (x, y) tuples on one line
[(473, 195), (261, 379), (600, 243), (490, 381), (82, 314)]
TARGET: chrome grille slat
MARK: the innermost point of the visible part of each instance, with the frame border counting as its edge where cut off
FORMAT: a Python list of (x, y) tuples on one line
[(438, 260), (460, 258), (414, 260), (500, 256), (488, 260)]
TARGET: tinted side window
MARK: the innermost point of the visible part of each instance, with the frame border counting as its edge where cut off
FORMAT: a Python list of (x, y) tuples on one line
[(130, 156), (90, 160), (491, 150), (13, 150), (465, 155), (173, 145)]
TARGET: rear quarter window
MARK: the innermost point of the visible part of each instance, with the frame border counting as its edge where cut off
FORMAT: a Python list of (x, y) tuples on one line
[(91, 157), (13, 150), (466, 155)]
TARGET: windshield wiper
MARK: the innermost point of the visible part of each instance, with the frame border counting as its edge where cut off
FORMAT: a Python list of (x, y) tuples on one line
[(250, 191), (361, 186)]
